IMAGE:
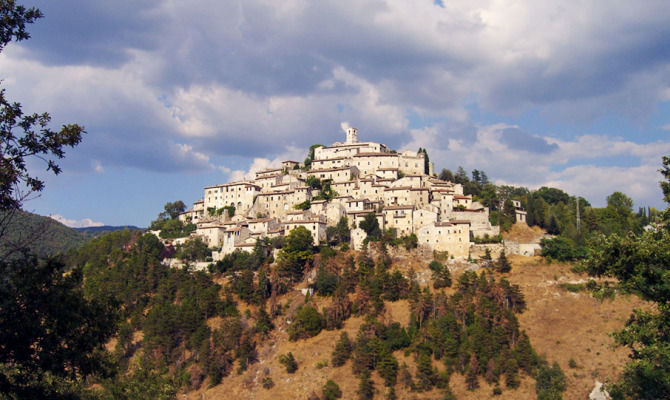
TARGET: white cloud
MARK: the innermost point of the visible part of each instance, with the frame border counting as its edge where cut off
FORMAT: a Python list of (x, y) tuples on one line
[(572, 165), (259, 164), (74, 223)]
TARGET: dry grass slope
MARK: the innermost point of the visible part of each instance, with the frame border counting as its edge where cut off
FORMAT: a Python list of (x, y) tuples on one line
[(561, 324)]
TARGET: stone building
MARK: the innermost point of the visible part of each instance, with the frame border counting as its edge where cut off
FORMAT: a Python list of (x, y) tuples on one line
[(367, 177)]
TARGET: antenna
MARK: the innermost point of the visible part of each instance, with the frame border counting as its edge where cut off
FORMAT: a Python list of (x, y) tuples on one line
[(578, 219)]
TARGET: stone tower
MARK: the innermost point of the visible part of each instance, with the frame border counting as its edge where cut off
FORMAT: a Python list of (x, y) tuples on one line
[(352, 135)]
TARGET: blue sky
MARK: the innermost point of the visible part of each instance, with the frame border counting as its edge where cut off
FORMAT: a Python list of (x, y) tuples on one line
[(177, 95)]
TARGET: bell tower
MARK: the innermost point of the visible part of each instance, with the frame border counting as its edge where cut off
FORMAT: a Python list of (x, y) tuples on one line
[(352, 135)]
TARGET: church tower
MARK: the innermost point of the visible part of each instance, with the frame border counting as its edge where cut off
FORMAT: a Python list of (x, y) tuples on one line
[(352, 135)]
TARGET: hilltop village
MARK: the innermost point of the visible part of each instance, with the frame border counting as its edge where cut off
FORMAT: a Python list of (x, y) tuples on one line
[(349, 179)]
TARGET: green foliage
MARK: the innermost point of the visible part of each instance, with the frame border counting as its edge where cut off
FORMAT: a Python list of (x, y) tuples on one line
[(288, 361), (307, 322), (486, 239), (42, 236), (193, 250), (339, 233), (305, 205), (326, 191), (395, 337), (174, 228), (263, 321), (331, 390), (267, 383), (387, 366), (342, 350), (143, 383), (446, 175), (665, 185), (171, 211), (371, 226), (326, 282), (552, 196), (640, 263), (313, 182), (503, 265), (310, 155), (425, 373), (295, 254), (550, 382), (426, 160), (410, 241), (238, 260), (562, 249), (366, 388), (441, 275), (52, 336)]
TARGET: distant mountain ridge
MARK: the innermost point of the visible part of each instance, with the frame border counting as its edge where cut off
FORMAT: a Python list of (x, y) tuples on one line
[(96, 230)]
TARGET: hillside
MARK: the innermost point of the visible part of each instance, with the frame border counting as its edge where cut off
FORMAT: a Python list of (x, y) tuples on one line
[(561, 324), (41, 235)]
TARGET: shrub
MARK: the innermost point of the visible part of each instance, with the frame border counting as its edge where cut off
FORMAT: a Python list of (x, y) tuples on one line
[(289, 362), (326, 282), (307, 323), (331, 391), (562, 249), (268, 383), (550, 382)]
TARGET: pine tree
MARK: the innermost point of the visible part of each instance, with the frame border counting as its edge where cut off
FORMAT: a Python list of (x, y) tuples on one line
[(524, 354), (387, 366), (366, 388), (491, 373), (425, 374), (511, 368), (405, 377), (342, 350), (473, 370), (503, 265)]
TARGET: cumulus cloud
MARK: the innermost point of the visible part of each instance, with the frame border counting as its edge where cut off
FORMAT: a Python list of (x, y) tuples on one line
[(581, 166), (74, 223), (259, 164), (171, 87)]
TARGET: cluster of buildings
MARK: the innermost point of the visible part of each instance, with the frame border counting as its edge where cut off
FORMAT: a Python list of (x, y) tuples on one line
[(399, 188)]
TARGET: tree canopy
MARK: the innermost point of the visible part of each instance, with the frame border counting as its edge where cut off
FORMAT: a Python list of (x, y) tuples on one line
[(641, 263)]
